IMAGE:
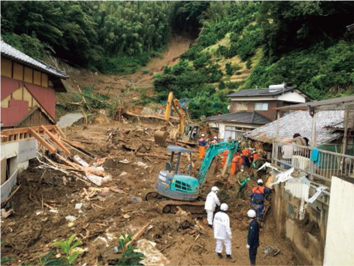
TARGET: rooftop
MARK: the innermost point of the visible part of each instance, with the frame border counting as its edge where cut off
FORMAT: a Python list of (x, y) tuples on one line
[(241, 117), (260, 92), (331, 104), (299, 122), (12, 53)]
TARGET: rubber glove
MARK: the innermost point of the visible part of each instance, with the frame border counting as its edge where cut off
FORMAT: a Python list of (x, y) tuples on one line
[(248, 246)]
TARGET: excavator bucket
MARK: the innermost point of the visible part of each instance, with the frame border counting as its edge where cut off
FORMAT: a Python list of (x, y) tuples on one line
[(160, 137)]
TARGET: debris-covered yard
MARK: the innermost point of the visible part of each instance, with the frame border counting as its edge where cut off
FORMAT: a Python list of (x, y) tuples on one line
[(51, 205)]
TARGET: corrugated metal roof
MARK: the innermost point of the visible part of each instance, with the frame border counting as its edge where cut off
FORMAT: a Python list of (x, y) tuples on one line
[(336, 103), (11, 52), (299, 122), (241, 117), (259, 92)]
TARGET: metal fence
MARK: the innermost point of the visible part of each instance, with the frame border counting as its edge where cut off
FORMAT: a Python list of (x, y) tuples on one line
[(319, 163)]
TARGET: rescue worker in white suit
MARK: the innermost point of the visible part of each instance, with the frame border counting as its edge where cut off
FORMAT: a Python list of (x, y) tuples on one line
[(222, 231), (211, 202)]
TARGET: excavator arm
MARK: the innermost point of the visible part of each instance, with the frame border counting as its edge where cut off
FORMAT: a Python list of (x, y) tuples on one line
[(161, 135), (172, 102), (214, 150)]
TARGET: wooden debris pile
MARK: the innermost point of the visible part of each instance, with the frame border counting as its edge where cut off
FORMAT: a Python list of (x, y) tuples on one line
[(56, 152)]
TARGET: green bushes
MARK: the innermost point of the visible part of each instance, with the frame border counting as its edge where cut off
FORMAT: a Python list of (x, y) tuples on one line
[(130, 257), (320, 71)]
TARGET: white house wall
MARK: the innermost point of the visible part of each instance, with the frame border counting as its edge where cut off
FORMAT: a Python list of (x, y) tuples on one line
[(287, 97), (292, 97), (340, 230)]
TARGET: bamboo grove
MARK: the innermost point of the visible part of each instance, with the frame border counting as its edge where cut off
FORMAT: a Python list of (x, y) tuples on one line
[(88, 34)]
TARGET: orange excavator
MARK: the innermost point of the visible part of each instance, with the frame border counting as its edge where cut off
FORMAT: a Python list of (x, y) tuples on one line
[(186, 132)]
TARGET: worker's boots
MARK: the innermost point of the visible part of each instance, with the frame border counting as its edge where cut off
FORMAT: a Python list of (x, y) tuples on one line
[(229, 257), (219, 255)]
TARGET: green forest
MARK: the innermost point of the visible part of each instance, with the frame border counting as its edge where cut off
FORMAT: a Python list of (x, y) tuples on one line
[(238, 45)]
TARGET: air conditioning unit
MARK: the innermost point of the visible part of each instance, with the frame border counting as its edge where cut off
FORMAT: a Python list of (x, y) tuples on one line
[(276, 88)]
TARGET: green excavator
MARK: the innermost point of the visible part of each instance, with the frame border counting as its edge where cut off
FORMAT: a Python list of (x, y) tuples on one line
[(183, 190)]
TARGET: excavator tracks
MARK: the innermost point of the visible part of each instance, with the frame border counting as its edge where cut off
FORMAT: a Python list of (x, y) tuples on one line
[(170, 206)]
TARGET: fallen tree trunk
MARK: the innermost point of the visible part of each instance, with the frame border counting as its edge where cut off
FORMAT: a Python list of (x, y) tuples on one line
[(160, 117)]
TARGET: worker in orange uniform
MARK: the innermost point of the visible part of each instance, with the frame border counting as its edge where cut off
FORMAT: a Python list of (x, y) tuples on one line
[(246, 159), (258, 196), (202, 146), (236, 163), (224, 154)]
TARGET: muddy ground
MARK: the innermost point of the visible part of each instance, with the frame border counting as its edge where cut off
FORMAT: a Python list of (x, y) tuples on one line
[(133, 160)]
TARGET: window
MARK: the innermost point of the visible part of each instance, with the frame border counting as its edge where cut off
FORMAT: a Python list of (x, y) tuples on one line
[(261, 107), (182, 186), (241, 106)]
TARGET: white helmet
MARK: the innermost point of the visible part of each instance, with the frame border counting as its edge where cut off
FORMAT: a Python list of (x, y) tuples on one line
[(214, 189), (251, 213), (215, 137), (224, 207), (203, 135), (259, 181)]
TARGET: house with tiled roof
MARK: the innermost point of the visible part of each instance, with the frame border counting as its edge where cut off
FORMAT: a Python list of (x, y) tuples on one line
[(253, 108), (28, 88)]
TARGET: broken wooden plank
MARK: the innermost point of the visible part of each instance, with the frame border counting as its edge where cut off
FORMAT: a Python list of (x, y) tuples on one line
[(42, 141), (58, 129), (169, 245), (73, 143), (7, 200), (7, 132), (56, 140), (138, 234)]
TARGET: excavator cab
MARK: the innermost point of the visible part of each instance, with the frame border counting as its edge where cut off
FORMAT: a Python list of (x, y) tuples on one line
[(178, 185), (174, 184)]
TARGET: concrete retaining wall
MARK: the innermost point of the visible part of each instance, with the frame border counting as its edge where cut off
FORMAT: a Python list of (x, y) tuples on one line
[(16, 155), (307, 236)]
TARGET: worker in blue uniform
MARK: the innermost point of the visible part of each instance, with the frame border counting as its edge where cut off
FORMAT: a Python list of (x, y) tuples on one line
[(252, 237), (257, 196)]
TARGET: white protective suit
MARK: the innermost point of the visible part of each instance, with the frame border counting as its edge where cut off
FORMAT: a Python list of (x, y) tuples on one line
[(222, 232), (210, 204)]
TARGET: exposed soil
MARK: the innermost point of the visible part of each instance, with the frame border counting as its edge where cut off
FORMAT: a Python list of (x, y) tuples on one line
[(134, 161)]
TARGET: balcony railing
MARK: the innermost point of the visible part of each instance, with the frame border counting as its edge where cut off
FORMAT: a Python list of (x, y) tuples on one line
[(317, 163)]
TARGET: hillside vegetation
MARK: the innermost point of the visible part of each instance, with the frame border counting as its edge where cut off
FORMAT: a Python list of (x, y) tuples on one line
[(239, 45), (111, 37), (256, 44)]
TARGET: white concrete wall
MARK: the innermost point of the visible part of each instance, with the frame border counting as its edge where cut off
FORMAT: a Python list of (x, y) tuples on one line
[(292, 97), (339, 248), (19, 153)]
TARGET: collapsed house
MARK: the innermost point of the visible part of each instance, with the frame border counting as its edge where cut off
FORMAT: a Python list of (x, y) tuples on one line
[(300, 122), (312, 198), (28, 89)]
